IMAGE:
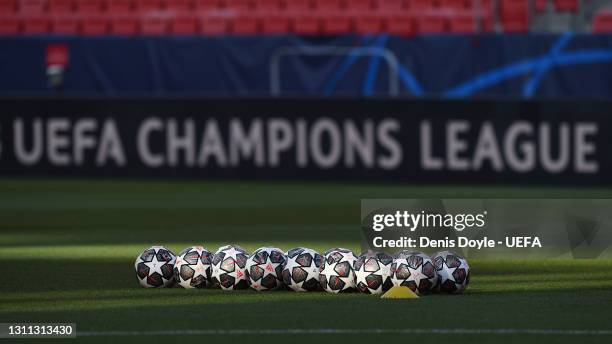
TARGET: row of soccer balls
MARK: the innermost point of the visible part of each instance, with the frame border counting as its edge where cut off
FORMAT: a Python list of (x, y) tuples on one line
[(302, 269)]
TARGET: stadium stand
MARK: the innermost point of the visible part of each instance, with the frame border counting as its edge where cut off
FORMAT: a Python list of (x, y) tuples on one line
[(307, 17), (153, 26), (603, 21), (65, 25)]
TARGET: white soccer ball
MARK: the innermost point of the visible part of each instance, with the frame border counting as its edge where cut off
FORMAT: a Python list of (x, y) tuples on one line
[(302, 268), (414, 270), (453, 271), (229, 268), (337, 274), (373, 272), (265, 267), (193, 267), (154, 267)]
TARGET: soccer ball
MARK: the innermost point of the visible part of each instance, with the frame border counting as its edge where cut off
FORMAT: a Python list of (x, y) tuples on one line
[(192, 268), (301, 270), (373, 272), (414, 270), (154, 267), (337, 274), (229, 268), (453, 271), (265, 267)]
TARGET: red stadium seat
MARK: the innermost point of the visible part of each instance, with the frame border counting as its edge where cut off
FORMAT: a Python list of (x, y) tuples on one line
[(144, 6), (239, 6), (119, 7), (205, 5), (487, 7), (462, 24), (184, 25), (298, 6), (566, 5), (306, 25), (487, 23), (36, 25), (153, 26), (420, 5), (514, 7), (94, 26), (179, 5), (484, 14), (215, 25), (275, 24), (68, 25), (539, 5), (32, 7), (244, 25), (7, 7), (125, 26), (454, 4), (336, 24), (362, 6), (602, 22), (430, 24), (517, 25), (62, 7), (328, 6), (89, 7), (401, 25), (389, 6), (368, 24), (515, 15), (268, 6), (9, 26)]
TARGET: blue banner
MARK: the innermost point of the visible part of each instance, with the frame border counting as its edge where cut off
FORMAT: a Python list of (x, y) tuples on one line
[(543, 66)]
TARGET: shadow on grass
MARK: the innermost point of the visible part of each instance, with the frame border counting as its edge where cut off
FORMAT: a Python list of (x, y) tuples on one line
[(80, 233), (137, 296), (167, 309), (100, 284), (541, 266)]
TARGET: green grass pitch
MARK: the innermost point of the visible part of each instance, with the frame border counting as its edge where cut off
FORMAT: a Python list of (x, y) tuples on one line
[(67, 250)]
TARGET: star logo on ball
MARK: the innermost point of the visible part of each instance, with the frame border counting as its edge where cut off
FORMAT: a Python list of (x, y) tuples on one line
[(154, 267), (449, 272), (269, 267), (417, 276), (232, 252)]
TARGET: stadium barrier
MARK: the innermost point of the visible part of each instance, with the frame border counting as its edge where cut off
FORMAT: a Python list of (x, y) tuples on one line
[(547, 65), (337, 139)]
